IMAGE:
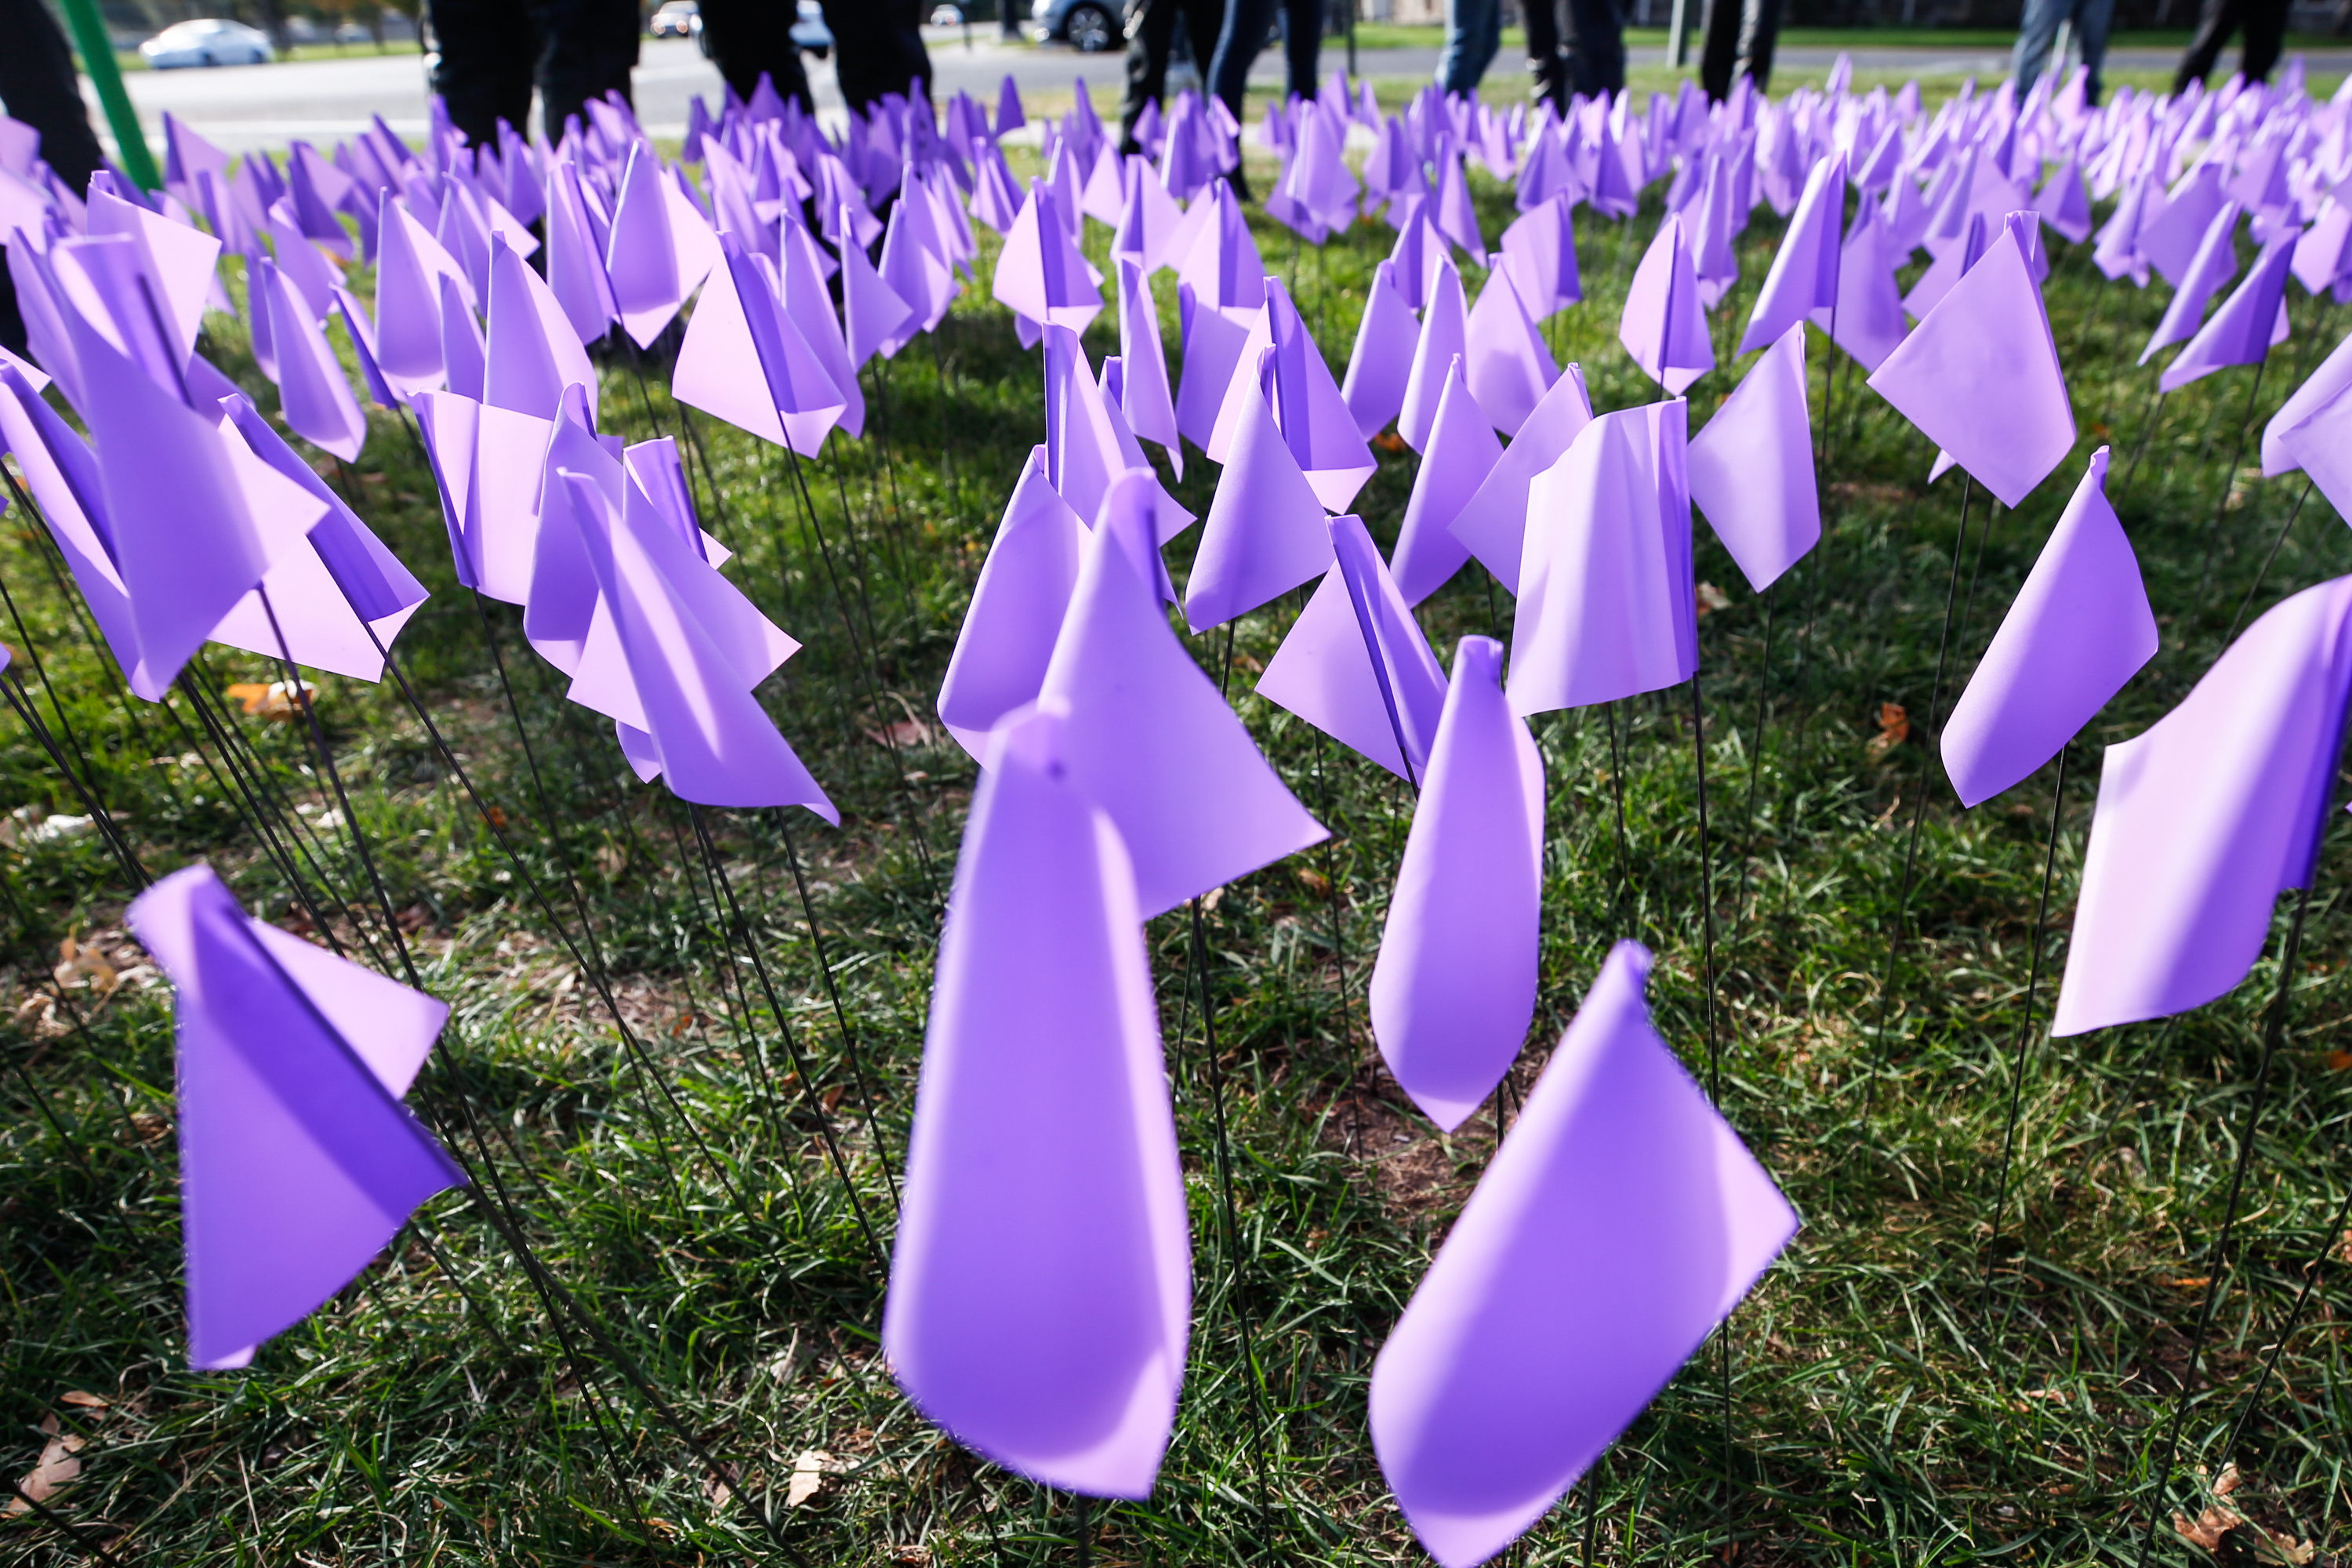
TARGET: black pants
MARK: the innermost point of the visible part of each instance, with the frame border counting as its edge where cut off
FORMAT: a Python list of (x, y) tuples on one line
[(877, 49), (1575, 46), (36, 86), (748, 39), (2264, 22), (493, 52), (1150, 35), (1740, 38), (1243, 34)]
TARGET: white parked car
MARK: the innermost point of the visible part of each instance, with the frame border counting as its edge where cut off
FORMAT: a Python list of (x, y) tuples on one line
[(206, 42)]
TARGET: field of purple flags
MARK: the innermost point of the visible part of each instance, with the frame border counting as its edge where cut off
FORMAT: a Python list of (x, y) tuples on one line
[(1602, 839)]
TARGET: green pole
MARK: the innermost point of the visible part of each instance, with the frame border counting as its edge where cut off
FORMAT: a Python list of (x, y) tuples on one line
[(97, 59)]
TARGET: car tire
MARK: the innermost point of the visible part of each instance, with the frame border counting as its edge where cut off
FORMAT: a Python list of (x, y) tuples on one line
[(1090, 29)]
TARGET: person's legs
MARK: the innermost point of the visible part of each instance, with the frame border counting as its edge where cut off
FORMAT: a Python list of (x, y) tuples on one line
[(484, 70), (1204, 19), (1472, 28), (750, 38), (1239, 39), (1150, 33), (1759, 29), (2035, 33), (2265, 35), (2092, 18), (37, 87), (1718, 52), (1594, 47), (2214, 26), (1302, 42), (1543, 54), (586, 48)]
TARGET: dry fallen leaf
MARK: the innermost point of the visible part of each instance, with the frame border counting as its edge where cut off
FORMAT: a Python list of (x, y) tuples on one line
[(808, 1475), (1392, 443), (2230, 1537), (1893, 729), (904, 732), (79, 967), (275, 700), (1315, 882), (1711, 597), (57, 1468), (87, 1401), (2339, 1061)]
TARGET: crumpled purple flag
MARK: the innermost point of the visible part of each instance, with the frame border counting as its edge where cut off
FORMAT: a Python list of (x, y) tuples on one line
[(1510, 1372), (1355, 664), (1455, 986), (1444, 337), (1509, 365), (1147, 734), (1980, 378), (487, 464), (1041, 275), (2250, 323), (1008, 633), (297, 1162), (1042, 1115), (1664, 327), (1266, 533), (1314, 419), (1463, 451), (2205, 816), (1804, 273), (1608, 606), (744, 361), (1492, 522), (1380, 368), (2215, 263), (1143, 395), (2079, 630), (1751, 466)]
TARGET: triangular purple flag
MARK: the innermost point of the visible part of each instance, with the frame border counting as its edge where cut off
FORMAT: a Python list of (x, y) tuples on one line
[(1266, 533), (744, 361), (1463, 451), (1608, 606), (1492, 522), (1510, 367), (2322, 391), (315, 399), (1751, 466), (1804, 273), (2205, 816), (1509, 1372), (2171, 239), (1041, 275), (465, 358), (2249, 321), (1867, 321), (1307, 408), (1017, 606), (299, 1163), (1539, 249), (1144, 396), (2216, 262), (1455, 986), (531, 352), (1043, 1112), (1662, 326), (2063, 205), (875, 317), (1147, 734), (1381, 367), (1444, 337), (2079, 630)]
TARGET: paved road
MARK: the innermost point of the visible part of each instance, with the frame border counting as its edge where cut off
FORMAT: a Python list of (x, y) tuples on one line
[(246, 106)]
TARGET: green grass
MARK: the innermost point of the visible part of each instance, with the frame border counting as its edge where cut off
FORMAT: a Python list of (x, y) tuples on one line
[(1891, 1403)]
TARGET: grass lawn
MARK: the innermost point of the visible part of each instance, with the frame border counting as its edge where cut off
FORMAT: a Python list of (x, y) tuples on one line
[(1900, 1391)]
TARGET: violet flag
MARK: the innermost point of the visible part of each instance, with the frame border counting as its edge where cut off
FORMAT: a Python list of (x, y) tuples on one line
[(2079, 630), (2320, 444), (2322, 389), (2216, 262), (1212, 350), (1539, 251), (1314, 419), (1509, 1372), (298, 1160), (1662, 326), (744, 360), (1147, 735), (1008, 633), (1608, 606), (531, 352), (1868, 321), (1463, 451), (2205, 816), (1751, 466), (1143, 395), (1355, 665), (1453, 988), (1041, 275), (313, 394), (1444, 337), (1804, 273), (1980, 377), (1492, 522), (1042, 1115), (2250, 323), (1510, 366), (1266, 533), (1381, 367), (2064, 204), (2172, 238)]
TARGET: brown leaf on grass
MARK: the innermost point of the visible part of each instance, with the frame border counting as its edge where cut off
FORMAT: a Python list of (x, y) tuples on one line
[(1315, 882), (1712, 598), (1893, 729), (86, 1400), (276, 701), (830, 1098), (808, 1475), (1392, 443), (2344, 1246), (2230, 1537), (56, 1470), (904, 734), (79, 967), (2339, 1061)]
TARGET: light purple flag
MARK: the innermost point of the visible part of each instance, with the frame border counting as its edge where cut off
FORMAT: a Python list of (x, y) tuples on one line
[(1980, 377), (1539, 251), (1454, 215), (1868, 321), (2216, 262), (1510, 366), (1444, 337), (1314, 419), (1143, 395), (1381, 367), (875, 317), (410, 266), (2079, 630), (2172, 238), (1147, 735), (1463, 451), (2250, 323), (1804, 273), (1220, 259), (1455, 986), (744, 361), (315, 399), (62, 472), (1042, 1113), (465, 358), (1751, 466), (2321, 444), (575, 261), (1492, 522), (641, 256), (2064, 204), (1008, 633), (2205, 816), (1041, 275), (1088, 444), (1266, 533), (2322, 389), (530, 351), (297, 1162), (1355, 665), (1608, 607), (1148, 216), (1662, 326), (1510, 1372), (806, 301), (487, 464)]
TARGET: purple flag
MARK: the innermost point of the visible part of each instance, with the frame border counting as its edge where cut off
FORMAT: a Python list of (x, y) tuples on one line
[(1042, 1113), (1212, 351), (1381, 367), (1539, 251), (1221, 261), (2251, 321), (1314, 419), (2322, 389), (806, 301), (1455, 218), (1444, 337), (1017, 606), (1354, 663), (1148, 736), (1455, 986), (1608, 607), (2063, 205), (409, 265), (316, 400), (1143, 395), (2080, 629), (2205, 816), (487, 464), (1980, 377), (1266, 533), (1751, 466), (875, 317), (1461, 452), (1510, 367), (464, 361), (1509, 1371), (2215, 263), (530, 353), (1868, 321), (1492, 522), (2172, 238), (1662, 326), (1804, 274), (744, 360), (297, 1162), (1042, 276)]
